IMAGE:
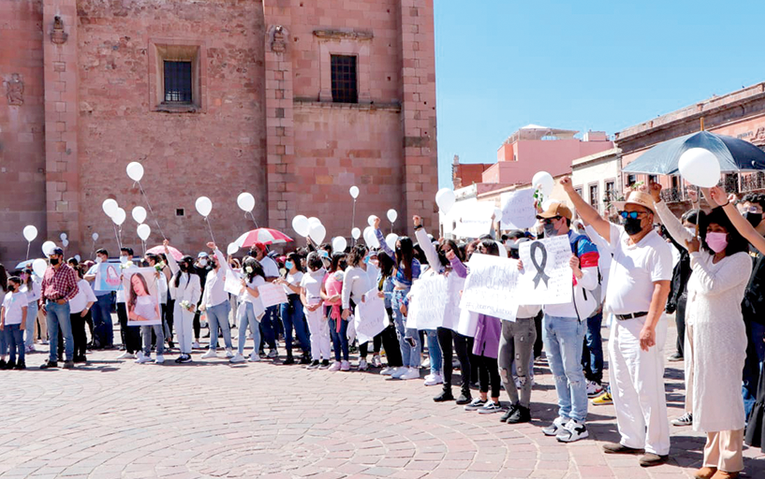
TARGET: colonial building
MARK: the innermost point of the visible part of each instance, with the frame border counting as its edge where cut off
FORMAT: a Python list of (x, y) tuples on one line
[(293, 101)]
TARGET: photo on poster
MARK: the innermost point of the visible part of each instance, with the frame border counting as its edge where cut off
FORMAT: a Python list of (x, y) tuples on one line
[(141, 296), (107, 277)]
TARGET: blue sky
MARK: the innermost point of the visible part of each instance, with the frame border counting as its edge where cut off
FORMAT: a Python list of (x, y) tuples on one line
[(600, 65)]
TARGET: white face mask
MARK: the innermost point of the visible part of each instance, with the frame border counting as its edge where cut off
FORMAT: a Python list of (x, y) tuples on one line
[(123, 259), (99, 260), (202, 262)]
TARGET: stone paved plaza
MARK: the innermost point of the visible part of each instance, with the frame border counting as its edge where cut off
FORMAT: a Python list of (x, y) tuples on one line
[(114, 419)]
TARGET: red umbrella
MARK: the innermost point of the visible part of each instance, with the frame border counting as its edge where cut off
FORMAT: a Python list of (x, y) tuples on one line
[(262, 235), (161, 249)]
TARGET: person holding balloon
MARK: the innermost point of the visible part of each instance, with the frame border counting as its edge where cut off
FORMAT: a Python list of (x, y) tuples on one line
[(185, 289)]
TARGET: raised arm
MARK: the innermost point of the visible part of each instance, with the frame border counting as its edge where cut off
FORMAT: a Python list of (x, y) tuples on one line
[(426, 245), (457, 266), (742, 225), (587, 212), (381, 239), (171, 262), (668, 219)]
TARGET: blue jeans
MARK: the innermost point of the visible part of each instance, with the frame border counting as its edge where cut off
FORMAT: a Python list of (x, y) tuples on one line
[(217, 317), (247, 319), (102, 318), (410, 354), (339, 339), (268, 327), (293, 317), (592, 357), (564, 340), (58, 316), (14, 336), (434, 351)]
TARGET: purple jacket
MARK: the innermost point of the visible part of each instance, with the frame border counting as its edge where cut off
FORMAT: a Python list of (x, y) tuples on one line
[(486, 342)]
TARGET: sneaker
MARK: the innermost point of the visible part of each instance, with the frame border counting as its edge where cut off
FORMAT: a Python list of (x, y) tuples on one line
[(519, 415), (20, 366), (143, 358), (433, 380), (289, 360), (603, 400), (363, 366), (80, 359), (314, 365), (345, 365), (446, 395), (464, 399), (324, 364), (211, 353), (399, 372), (229, 353), (185, 358), (475, 405), (684, 420), (376, 361), (426, 363), (69, 365), (160, 359), (254, 357), (411, 373), (126, 355), (650, 459), (238, 358), (572, 431), (335, 366), (388, 371), (305, 359), (196, 345), (47, 364), (273, 354), (673, 358), (594, 389), (10, 365), (490, 408), (554, 428), (3, 364)]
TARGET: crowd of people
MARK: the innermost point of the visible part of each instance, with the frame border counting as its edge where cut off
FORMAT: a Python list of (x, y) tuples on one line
[(705, 267)]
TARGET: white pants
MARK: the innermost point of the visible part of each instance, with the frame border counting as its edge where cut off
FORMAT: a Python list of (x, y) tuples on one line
[(319, 328), (637, 386), (183, 320)]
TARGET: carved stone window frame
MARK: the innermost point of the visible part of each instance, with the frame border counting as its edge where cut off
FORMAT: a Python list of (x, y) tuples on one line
[(356, 43), (193, 50)]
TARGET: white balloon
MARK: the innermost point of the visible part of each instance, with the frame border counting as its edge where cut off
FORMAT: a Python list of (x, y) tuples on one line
[(144, 231), (339, 244), (356, 233), (119, 216), (39, 266), (371, 220), (390, 240), (48, 247), (232, 248), (110, 207), (139, 214), (354, 192), (313, 221), (95, 237), (246, 202), (64, 242), (699, 167), (546, 204), (62, 236), (135, 171), (544, 182), (301, 226), (78, 258), (392, 215), (30, 233), (318, 233), (370, 238), (204, 206), (445, 199)]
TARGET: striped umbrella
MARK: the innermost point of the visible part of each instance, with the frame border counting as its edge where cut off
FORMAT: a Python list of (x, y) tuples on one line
[(262, 235)]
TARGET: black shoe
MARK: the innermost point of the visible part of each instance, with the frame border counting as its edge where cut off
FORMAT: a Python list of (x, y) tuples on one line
[(519, 415), (2, 363), (289, 360), (464, 399), (49, 364), (508, 413), (69, 365), (10, 365), (80, 359), (446, 395), (306, 360), (20, 366), (675, 357), (185, 358), (170, 344), (325, 363)]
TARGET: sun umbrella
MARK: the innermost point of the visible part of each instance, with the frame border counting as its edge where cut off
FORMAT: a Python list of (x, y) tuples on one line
[(25, 264), (161, 249), (262, 235), (734, 155)]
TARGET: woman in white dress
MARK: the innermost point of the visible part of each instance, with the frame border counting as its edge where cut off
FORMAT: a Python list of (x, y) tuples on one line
[(186, 289), (715, 341)]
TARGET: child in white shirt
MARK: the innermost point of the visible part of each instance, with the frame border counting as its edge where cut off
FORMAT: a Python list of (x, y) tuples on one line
[(13, 314)]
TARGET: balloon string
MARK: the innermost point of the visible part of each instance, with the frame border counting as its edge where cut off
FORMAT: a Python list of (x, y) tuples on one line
[(253, 218), (145, 197), (29, 243), (210, 228), (353, 221), (116, 235)]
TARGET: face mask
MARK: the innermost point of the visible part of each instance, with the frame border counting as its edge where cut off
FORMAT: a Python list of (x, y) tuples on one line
[(203, 262), (632, 226), (54, 261), (123, 259), (550, 230), (11, 288), (99, 260), (717, 242), (184, 267), (289, 265), (753, 218), (343, 265)]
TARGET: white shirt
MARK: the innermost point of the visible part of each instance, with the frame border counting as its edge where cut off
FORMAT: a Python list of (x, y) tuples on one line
[(355, 284), (634, 269), (35, 293), (162, 286), (215, 293), (269, 267), (12, 303), (245, 295), (294, 280), (312, 284), (84, 296), (189, 286)]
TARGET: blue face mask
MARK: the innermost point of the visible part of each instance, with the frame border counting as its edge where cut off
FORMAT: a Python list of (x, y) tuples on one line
[(289, 265)]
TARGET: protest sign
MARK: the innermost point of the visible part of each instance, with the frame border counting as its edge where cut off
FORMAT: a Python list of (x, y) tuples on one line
[(490, 286), (370, 318), (233, 282), (272, 294), (107, 277), (454, 287), (473, 218), (426, 308), (518, 210), (546, 276), (141, 296)]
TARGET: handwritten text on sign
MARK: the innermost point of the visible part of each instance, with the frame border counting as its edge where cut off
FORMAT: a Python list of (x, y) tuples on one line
[(371, 317), (547, 276), (490, 286), (272, 294), (518, 210), (426, 309)]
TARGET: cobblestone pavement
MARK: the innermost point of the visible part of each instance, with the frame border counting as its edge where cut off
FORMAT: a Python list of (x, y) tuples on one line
[(115, 419)]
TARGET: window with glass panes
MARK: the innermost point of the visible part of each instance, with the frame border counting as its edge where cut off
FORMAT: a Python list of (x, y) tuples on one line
[(344, 81), (177, 82)]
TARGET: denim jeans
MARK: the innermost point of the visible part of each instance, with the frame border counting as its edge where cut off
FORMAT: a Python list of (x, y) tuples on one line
[(293, 318), (217, 317), (339, 338), (102, 319), (247, 320), (409, 354), (268, 327), (146, 335), (434, 351), (564, 340), (592, 355), (58, 316), (14, 336), (29, 327)]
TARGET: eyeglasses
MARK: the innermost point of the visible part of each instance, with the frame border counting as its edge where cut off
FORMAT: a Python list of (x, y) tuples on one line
[(631, 214), (549, 221), (752, 209)]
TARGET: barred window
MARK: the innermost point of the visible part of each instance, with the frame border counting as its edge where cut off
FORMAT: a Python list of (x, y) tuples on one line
[(344, 82), (177, 82)]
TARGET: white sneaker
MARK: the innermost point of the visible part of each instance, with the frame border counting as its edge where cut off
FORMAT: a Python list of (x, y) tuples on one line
[(557, 426), (211, 353), (345, 366), (229, 353), (238, 358), (254, 357), (272, 354), (142, 358), (594, 389), (412, 373), (388, 371), (160, 359), (572, 431), (126, 355), (426, 363), (398, 372), (335, 366), (434, 379), (363, 366), (376, 361)]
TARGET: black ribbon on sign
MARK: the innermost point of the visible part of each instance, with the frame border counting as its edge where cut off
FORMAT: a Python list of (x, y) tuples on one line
[(537, 245)]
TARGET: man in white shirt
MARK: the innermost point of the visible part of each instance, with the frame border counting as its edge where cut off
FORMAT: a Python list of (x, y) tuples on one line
[(638, 287), (268, 326), (102, 310), (215, 303)]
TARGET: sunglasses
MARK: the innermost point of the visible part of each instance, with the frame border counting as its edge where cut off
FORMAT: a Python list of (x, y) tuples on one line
[(631, 214), (549, 221)]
